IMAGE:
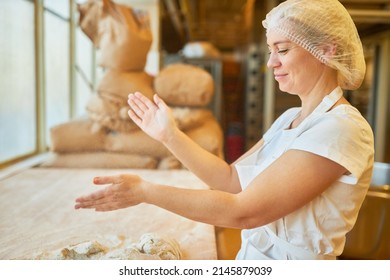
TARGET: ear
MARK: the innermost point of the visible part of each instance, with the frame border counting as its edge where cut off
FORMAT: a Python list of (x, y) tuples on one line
[(329, 50)]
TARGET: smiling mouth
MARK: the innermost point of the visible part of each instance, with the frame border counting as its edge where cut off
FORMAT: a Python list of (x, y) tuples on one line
[(278, 76)]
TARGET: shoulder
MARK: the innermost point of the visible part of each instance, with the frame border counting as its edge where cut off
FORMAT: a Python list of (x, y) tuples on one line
[(343, 120), (342, 135)]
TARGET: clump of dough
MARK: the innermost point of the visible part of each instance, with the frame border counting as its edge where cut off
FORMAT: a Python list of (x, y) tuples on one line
[(81, 251), (131, 253), (149, 247), (165, 248)]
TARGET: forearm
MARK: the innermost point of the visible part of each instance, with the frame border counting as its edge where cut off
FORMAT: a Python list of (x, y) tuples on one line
[(208, 206), (210, 168)]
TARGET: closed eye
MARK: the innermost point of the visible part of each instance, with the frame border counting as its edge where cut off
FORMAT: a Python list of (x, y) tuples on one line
[(284, 51)]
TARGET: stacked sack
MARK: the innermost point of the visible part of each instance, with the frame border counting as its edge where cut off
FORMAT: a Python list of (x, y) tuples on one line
[(108, 138)]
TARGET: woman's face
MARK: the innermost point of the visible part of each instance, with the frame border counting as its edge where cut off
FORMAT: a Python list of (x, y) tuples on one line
[(296, 70)]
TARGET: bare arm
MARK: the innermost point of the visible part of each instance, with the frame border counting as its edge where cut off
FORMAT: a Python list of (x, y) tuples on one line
[(281, 189), (156, 120)]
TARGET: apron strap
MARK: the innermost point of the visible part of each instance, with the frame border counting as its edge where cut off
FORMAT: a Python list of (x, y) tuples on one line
[(296, 252)]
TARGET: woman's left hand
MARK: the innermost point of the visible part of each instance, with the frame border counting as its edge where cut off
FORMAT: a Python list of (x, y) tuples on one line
[(123, 191), (154, 117)]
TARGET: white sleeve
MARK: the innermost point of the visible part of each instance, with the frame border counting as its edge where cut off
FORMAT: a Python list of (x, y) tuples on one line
[(345, 139)]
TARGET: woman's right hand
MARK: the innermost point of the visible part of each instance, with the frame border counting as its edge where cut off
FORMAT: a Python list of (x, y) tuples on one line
[(153, 117)]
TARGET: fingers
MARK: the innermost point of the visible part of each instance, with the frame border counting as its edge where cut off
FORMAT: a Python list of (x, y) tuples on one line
[(91, 197), (140, 102), (142, 98), (159, 102), (90, 201), (119, 193), (137, 107), (99, 197), (102, 180), (98, 205), (137, 120), (104, 199), (140, 106)]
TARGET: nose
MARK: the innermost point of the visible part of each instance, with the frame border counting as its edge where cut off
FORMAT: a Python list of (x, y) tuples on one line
[(273, 60)]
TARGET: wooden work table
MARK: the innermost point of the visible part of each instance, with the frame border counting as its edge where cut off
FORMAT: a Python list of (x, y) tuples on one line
[(37, 214)]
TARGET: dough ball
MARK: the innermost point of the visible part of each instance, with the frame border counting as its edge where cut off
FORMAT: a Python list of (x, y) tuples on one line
[(165, 248)]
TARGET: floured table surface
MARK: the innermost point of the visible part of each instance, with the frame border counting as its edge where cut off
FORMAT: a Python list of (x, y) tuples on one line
[(37, 214)]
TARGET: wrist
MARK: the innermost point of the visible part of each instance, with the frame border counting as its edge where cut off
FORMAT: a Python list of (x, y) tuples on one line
[(171, 136), (146, 188)]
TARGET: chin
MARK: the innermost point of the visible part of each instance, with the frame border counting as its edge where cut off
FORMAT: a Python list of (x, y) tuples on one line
[(283, 88), (286, 89)]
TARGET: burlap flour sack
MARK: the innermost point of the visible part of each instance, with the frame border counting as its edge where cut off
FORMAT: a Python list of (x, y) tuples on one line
[(124, 37), (100, 160), (109, 114), (109, 107), (118, 84), (89, 14), (103, 106), (209, 136), (184, 85), (76, 136), (187, 117), (168, 163), (136, 142)]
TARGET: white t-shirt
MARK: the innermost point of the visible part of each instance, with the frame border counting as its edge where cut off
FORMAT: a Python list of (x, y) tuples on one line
[(317, 230)]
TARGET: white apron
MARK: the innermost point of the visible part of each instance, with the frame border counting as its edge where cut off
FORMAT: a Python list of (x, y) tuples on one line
[(264, 242)]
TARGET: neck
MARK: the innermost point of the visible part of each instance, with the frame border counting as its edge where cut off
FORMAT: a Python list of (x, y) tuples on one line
[(313, 98)]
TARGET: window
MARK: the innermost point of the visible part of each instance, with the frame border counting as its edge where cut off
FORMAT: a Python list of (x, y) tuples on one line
[(47, 66), (48, 72), (18, 118), (56, 63)]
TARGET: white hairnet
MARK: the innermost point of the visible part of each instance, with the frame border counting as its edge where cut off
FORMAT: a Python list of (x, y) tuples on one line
[(320, 25)]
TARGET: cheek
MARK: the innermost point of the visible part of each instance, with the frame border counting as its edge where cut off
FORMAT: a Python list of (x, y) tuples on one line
[(305, 68), (310, 64)]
